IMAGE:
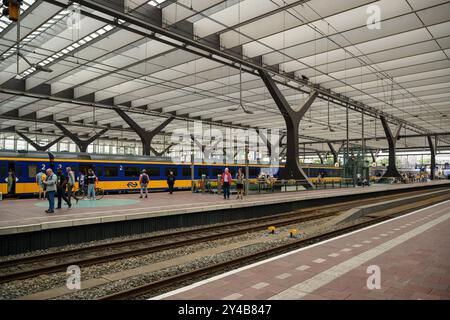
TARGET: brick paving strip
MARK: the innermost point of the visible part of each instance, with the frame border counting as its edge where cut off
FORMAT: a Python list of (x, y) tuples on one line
[(267, 270)]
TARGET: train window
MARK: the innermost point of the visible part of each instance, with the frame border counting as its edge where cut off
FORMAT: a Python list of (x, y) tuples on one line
[(132, 171), (99, 171), (84, 168), (153, 171), (3, 170), (203, 171), (174, 170), (217, 171), (74, 168), (32, 170), (253, 172), (111, 171), (186, 172)]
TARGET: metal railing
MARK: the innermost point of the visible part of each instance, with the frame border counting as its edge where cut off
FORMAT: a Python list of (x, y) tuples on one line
[(257, 186)]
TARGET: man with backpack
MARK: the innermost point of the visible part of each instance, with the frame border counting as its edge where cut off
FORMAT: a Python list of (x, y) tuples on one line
[(143, 181)]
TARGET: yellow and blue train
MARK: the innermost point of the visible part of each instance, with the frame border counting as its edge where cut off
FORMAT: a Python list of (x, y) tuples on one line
[(121, 173)]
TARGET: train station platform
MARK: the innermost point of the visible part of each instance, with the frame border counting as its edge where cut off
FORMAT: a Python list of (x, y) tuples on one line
[(403, 258), (26, 215), (117, 215)]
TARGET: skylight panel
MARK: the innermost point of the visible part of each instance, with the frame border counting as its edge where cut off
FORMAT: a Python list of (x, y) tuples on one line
[(156, 3), (68, 49)]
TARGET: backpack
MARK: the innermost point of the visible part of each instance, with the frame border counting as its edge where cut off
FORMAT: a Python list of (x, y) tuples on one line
[(144, 178)]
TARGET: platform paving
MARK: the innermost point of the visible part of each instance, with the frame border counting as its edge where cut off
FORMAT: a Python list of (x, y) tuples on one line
[(411, 253), (25, 215)]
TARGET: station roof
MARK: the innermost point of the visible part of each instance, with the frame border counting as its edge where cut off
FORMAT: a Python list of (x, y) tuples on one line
[(401, 68)]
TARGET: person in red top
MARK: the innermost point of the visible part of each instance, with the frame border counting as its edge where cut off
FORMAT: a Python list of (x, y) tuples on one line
[(226, 183)]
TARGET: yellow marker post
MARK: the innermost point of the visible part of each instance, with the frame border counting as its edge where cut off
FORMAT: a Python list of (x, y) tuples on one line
[(292, 232), (272, 229)]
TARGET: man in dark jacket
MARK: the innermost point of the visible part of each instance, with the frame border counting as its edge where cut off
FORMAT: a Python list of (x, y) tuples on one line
[(171, 181), (61, 188)]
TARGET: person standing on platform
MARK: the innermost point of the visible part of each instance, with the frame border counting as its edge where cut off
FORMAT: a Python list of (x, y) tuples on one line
[(50, 187), (91, 180), (171, 181), (11, 182), (82, 181), (61, 188), (226, 182), (70, 183), (240, 183), (40, 177), (143, 181)]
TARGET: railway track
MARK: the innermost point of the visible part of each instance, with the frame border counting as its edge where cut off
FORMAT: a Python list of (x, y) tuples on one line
[(197, 274), (58, 261)]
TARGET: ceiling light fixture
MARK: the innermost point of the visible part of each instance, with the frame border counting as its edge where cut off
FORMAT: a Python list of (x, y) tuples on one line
[(241, 105), (34, 66)]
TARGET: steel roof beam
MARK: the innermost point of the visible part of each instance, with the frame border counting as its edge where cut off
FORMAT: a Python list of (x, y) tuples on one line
[(145, 135), (433, 157), (37, 146), (82, 144), (392, 138), (292, 169)]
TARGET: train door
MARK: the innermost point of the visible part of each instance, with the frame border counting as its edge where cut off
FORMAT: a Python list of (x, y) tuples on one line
[(11, 178)]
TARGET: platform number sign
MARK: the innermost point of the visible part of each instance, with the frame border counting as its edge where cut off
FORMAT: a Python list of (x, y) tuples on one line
[(43, 167), (74, 280)]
